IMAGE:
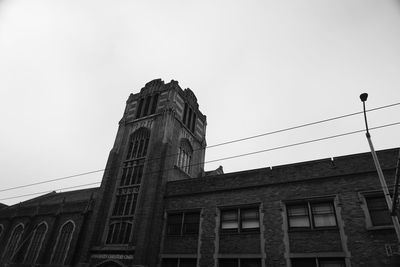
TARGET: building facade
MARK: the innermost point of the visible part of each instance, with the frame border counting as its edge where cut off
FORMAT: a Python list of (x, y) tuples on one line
[(157, 206)]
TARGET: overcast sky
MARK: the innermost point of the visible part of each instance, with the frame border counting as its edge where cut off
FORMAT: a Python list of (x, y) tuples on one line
[(67, 68)]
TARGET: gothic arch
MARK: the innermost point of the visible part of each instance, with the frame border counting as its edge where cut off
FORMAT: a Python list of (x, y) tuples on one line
[(65, 235), (36, 242), (13, 241)]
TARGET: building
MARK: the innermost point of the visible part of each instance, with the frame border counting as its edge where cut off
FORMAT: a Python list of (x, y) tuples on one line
[(157, 206)]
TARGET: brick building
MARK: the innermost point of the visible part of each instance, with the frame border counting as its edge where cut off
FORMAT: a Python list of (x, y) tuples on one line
[(157, 206)]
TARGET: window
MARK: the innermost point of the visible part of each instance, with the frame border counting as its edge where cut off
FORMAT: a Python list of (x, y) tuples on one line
[(125, 203), (35, 244), (239, 263), (119, 233), (13, 242), (127, 193), (185, 156), (179, 262), (240, 220), (63, 242), (317, 262), (311, 215), (189, 118), (147, 106), (183, 223), (378, 211)]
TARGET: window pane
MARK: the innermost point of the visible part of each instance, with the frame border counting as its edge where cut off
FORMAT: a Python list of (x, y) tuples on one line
[(229, 219), (250, 218), (228, 263), (191, 223), (174, 224), (324, 214), (249, 214), (228, 215), (229, 225), (322, 208), (378, 211), (380, 217), (250, 263), (170, 263), (304, 263), (298, 210), (298, 216), (188, 263), (324, 220), (331, 263)]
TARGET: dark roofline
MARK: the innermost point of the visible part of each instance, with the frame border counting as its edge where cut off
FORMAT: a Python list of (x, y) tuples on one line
[(52, 194), (297, 164)]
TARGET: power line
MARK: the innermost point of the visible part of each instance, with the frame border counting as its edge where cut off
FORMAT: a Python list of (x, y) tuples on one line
[(52, 180), (49, 191), (235, 156), (302, 125), (211, 146)]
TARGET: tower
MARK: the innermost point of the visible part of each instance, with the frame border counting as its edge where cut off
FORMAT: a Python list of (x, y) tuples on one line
[(161, 138)]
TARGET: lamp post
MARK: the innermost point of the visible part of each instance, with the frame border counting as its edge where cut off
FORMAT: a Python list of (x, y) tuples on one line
[(385, 189)]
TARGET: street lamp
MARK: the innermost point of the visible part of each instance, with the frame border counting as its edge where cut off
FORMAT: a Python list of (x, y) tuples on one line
[(364, 97)]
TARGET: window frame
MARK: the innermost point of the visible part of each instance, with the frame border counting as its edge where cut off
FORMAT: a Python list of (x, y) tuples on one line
[(189, 118), (320, 260), (239, 220), (364, 196), (9, 255), (58, 240), (178, 260), (239, 261), (112, 233), (311, 214), (183, 223), (40, 244), (147, 105)]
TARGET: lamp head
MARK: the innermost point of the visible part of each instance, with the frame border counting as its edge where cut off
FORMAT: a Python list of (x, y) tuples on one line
[(364, 97)]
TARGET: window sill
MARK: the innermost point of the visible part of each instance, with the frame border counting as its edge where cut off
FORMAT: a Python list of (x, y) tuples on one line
[(313, 229), (182, 236), (381, 227), (255, 232), (182, 171)]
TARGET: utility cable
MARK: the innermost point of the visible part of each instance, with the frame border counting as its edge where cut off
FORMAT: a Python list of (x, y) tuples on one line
[(211, 146), (237, 156), (49, 191)]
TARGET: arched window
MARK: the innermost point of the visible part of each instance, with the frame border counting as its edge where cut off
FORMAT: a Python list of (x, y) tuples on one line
[(63, 243), (138, 143), (36, 243), (184, 155), (119, 233), (13, 242)]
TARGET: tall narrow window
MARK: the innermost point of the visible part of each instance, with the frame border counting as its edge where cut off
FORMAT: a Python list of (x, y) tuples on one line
[(147, 106), (35, 244), (189, 118), (63, 242), (120, 224), (13, 242), (119, 233), (184, 159)]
